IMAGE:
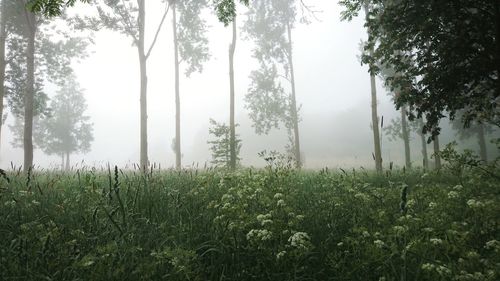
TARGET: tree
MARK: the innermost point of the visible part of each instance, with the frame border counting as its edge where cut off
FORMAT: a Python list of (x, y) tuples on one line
[(232, 125), (447, 51), (377, 155), (3, 40), (221, 146), (270, 24), (191, 47), (130, 19), (67, 130), (35, 58), (476, 129)]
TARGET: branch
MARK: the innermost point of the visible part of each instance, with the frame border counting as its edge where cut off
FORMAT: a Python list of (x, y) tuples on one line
[(158, 31)]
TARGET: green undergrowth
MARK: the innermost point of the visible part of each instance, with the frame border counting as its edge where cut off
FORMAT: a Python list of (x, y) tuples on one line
[(269, 224)]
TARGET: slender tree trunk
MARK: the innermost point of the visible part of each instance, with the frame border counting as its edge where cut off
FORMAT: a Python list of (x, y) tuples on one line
[(144, 86), (3, 38), (62, 161), (293, 103), (437, 158), (406, 137), (30, 92), (232, 126), (376, 132), (497, 41), (67, 161), (425, 159), (482, 143), (178, 155)]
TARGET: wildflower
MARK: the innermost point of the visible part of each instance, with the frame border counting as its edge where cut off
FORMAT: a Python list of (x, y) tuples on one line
[(443, 271), (280, 255), (259, 234), (436, 241), (453, 195), (299, 240), (428, 266), (340, 244), (379, 243), (493, 244), (410, 203), (278, 196), (365, 234), (281, 203), (475, 203), (400, 229), (458, 187), (432, 205), (36, 203)]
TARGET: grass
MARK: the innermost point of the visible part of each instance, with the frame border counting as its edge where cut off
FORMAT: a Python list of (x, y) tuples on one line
[(270, 224)]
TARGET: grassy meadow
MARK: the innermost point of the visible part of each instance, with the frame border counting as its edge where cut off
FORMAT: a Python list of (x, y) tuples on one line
[(253, 224)]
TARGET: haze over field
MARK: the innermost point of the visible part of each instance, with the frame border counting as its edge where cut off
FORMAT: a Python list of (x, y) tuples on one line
[(333, 92)]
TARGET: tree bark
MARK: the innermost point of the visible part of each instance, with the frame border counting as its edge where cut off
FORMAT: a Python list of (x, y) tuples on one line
[(62, 161), (30, 91), (425, 159), (376, 132), (293, 104), (406, 137), (144, 161), (437, 158), (3, 38), (232, 126), (178, 155), (482, 143)]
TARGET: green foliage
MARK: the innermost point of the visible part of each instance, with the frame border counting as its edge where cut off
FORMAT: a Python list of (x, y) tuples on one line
[(67, 130), (220, 147), (446, 55), (51, 8), (271, 224), (192, 34), (226, 9)]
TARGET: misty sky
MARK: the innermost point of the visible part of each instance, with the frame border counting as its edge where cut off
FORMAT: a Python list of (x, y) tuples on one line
[(332, 87)]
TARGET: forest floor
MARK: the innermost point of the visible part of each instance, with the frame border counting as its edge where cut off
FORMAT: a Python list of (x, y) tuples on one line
[(269, 224)]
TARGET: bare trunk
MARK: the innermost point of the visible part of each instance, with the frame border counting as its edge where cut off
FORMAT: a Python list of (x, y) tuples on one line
[(62, 161), (178, 155), (376, 132), (144, 86), (232, 126), (406, 137), (3, 38), (67, 161), (482, 143), (30, 92), (425, 159), (437, 158), (293, 103)]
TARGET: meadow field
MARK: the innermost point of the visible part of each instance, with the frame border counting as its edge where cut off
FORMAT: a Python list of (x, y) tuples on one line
[(275, 223)]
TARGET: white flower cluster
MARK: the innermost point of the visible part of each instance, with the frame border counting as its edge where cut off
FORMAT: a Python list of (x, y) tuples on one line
[(264, 219), (259, 234), (299, 240), (493, 245), (379, 243), (436, 241), (453, 195), (475, 203)]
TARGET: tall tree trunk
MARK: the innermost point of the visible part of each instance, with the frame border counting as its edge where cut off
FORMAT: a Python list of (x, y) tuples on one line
[(376, 132), (482, 143), (425, 159), (406, 137), (67, 161), (3, 38), (497, 41), (178, 154), (232, 126), (144, 86), (437, 158), (293, 103), (30, 91), (62, 161)]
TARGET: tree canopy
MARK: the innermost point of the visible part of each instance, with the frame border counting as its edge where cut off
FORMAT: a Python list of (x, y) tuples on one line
[(445, 54)]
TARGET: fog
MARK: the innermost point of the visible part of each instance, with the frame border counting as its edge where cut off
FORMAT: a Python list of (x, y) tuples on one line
[(333, 91)]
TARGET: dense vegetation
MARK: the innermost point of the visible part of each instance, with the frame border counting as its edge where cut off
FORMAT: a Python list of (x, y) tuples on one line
[(270, 224)]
